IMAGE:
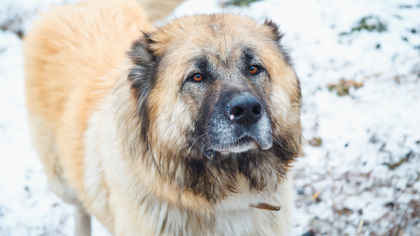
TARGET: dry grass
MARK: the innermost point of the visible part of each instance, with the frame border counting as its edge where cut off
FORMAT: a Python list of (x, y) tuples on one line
[(343, 86), (12, 19)]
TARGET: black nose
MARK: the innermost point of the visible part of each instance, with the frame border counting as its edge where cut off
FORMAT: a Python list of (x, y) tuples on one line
[(244, 109)]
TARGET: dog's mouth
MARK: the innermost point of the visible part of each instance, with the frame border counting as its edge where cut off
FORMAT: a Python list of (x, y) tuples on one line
[(243, 144)]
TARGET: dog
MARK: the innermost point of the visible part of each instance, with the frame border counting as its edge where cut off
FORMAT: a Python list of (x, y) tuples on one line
[(186, 129)]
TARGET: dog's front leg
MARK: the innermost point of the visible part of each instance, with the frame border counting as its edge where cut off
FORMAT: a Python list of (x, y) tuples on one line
[(82, 221)]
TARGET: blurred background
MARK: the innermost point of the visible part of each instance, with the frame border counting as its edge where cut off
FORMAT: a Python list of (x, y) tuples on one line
[(359, 66)]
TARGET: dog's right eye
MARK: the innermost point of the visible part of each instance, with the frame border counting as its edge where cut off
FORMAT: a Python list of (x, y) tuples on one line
[(197, 77), (254, 70)]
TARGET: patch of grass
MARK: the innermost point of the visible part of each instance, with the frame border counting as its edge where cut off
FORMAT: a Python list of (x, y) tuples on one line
[(369, 23), (343, 86)]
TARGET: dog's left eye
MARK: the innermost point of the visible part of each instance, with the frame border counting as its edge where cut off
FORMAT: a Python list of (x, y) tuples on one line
[(197, 77), (254, 70)]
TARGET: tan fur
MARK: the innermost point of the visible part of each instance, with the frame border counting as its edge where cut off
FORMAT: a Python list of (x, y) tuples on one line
[(64, 51), (157, 10), (85, 125)]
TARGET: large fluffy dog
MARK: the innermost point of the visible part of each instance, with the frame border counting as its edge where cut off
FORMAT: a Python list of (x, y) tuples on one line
[(181, 130)]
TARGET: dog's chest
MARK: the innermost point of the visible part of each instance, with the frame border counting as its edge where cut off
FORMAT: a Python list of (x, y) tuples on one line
[(175, 221)]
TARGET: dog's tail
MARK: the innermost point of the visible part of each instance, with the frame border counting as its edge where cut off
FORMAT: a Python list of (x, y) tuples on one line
[(159, 9)]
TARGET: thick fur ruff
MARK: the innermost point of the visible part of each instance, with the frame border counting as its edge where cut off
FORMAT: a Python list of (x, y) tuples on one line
[(123, 131)]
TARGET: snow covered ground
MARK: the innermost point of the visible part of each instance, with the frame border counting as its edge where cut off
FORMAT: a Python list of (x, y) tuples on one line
[(359, 65)]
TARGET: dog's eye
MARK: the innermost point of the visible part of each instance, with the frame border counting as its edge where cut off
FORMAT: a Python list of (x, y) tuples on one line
[(197, 77), (254, 70)]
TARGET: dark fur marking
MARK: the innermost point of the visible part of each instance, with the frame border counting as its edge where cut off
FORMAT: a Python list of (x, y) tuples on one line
[(204, 66), (248, 59), (282, 149), (142, 78), (247, 164), (198, 179), (210, 100), (247, 56), (162, 229), (215, 180)]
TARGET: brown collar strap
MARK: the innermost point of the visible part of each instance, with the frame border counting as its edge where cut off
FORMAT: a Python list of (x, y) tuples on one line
[(266, 206)]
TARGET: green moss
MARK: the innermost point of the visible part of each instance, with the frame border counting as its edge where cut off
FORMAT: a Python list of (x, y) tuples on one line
[(240, 3), (369, 23)]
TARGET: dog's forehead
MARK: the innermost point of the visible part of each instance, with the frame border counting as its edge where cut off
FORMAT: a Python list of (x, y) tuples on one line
[(220, 35)]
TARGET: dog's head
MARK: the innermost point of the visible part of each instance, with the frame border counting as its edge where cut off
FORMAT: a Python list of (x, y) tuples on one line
[(218, 100)]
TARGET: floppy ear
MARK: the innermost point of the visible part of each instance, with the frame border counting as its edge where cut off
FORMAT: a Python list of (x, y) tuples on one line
[(142, 77), (277, 36), (140, 52), (142, 57)]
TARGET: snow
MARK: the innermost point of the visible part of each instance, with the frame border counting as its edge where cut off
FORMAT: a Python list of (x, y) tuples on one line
[(365, 134)]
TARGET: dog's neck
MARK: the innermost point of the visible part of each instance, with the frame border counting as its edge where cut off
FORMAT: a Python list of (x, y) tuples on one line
[(225, 219)]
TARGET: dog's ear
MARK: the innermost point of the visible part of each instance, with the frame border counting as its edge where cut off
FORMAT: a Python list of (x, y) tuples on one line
[(143, 73), (274, 29), (140, 52), (277, 36), (142, 77)]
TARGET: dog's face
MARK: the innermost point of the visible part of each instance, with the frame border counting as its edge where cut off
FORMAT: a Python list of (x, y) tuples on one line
[(217, 98), (227, 98)]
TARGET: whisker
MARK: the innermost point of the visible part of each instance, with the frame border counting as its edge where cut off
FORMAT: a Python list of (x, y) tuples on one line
[(194, 142), (279, 142)]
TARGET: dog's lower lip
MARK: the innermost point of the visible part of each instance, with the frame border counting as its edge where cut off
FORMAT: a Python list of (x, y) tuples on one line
[(226, 150), (244, 140)]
